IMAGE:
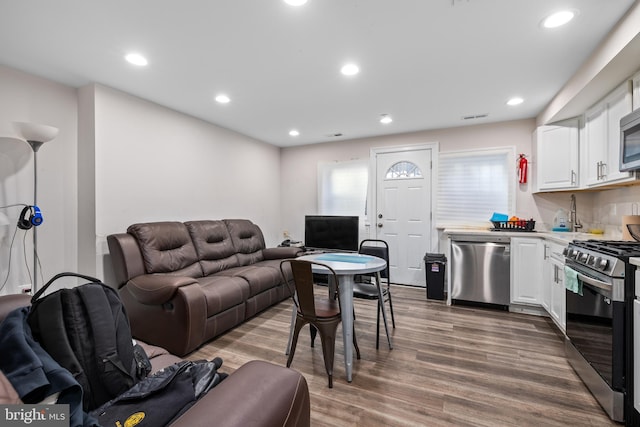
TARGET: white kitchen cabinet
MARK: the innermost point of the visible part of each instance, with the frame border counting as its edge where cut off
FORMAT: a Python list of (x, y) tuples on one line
[(547, 278), (558, 294), (602, 138), (556, 157), (553, 289), (526, 268)]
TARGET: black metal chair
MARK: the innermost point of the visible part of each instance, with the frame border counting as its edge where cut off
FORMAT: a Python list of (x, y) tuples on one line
[(321, 312), (366, 289)]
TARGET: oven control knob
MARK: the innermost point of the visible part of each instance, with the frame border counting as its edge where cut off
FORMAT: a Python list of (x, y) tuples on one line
[(591, 260), (573, 254), (583, 258), (602, 264), (565, 252)]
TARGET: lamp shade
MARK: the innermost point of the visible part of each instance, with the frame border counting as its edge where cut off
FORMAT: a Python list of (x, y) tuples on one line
[(35, 132)]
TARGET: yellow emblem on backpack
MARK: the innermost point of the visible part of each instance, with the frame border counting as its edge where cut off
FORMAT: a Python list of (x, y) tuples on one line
[(134, 419)]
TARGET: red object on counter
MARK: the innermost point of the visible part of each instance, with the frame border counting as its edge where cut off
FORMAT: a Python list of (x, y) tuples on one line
[(522, 169)]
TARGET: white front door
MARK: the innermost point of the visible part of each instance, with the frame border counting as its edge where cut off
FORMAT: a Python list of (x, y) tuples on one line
[(403, 211)]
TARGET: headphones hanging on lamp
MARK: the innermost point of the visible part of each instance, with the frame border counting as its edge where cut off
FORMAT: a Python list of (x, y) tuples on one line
[(34, 217)]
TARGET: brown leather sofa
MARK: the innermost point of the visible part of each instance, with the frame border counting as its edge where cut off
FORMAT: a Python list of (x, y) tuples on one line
[(258, 394), (186, 283)]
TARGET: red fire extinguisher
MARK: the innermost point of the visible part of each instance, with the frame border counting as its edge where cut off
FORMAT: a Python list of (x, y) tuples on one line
[(522, 169)]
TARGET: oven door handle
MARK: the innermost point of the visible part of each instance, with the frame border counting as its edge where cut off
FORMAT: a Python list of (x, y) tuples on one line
[(595, 282)]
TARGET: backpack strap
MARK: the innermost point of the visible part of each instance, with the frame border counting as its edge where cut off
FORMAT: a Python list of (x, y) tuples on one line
[(37, 295), (102, 321)]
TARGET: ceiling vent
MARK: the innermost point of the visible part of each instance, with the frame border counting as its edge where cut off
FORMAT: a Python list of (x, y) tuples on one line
[(334, 135), (476, 116)]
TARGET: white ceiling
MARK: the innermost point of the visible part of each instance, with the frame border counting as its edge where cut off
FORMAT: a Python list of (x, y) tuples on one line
[(427, 63)]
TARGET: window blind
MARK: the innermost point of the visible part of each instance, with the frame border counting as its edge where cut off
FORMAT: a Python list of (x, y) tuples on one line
[(342, 187), (474, 184)]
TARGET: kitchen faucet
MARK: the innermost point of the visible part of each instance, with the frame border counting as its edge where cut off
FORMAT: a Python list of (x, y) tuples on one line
[(573, 217)]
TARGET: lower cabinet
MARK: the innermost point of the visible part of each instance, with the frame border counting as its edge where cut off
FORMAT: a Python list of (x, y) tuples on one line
[(547, 277), (553, 289), (558, 295), (526, 265)]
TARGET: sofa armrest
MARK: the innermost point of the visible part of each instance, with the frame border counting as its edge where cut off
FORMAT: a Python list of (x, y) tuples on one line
[(258, 394), (155, 289), (281, 252), (177, 325), (126, 258)]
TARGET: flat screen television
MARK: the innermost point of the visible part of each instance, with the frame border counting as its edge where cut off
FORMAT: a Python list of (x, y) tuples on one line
[(331, 232)]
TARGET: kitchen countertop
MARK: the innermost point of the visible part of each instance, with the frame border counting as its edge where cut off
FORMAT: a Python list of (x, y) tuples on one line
[(562, 237)]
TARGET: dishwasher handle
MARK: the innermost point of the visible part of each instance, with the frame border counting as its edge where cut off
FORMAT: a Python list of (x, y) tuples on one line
[(505, 246)]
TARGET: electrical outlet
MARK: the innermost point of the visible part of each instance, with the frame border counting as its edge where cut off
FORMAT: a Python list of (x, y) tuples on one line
[(25, 289)]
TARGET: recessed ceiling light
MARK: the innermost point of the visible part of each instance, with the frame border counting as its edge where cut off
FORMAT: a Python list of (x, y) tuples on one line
[(558, 19), (136, 59), (350, 69), (294, 132), (515, 101), (385, 119), (295, 2), (222, 99)]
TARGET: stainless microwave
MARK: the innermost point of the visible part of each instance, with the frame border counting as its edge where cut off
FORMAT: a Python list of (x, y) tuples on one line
[(630, 141)]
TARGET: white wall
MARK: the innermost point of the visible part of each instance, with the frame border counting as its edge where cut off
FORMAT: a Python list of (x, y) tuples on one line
[(299, 164), (125, 160), (28, 98), (155, 164)]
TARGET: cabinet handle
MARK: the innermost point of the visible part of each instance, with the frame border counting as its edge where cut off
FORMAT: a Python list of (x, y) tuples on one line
[(573, 177), (598, 176), (546, 255), (604, 170)]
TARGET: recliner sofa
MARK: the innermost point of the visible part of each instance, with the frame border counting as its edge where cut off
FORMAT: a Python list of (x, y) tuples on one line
[(186, 283)]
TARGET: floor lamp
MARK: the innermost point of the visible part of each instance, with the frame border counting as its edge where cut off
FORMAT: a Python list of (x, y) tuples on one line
[(35, 135)]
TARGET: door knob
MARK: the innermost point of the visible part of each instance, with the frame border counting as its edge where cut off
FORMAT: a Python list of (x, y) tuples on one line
[(379, 215), (379, 225)]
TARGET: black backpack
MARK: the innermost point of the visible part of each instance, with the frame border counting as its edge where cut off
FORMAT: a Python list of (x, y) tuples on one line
[(86, 330)]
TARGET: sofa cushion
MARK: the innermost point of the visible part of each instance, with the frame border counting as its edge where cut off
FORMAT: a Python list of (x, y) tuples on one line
[(260, 278), (166, 247), (247, 239), (213, 245), (223, 292)]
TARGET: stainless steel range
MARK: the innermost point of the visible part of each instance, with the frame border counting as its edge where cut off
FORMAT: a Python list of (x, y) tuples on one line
[(600, 290)]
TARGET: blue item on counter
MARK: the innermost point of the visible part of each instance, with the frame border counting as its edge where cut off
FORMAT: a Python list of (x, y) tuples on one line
[(498, 217), (559, 229)]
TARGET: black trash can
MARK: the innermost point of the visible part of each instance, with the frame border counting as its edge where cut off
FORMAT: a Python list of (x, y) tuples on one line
[(435, 266)]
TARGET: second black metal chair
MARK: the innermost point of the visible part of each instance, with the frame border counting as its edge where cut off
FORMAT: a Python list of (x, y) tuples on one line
[(365, 289), (321, 312)]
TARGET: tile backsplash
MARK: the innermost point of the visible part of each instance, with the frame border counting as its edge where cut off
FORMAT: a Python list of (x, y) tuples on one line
[(595, 209)]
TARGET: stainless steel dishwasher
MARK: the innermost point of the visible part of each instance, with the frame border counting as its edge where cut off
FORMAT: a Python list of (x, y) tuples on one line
[(480, 269)]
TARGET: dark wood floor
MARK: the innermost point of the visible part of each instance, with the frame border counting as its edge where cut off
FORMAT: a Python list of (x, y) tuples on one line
[(450, 366)]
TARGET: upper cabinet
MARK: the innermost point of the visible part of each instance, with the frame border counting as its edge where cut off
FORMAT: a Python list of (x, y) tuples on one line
[(601, 146), (556, 157)]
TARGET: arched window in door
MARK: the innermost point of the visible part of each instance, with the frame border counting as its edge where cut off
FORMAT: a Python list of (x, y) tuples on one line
[(402, 170)]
